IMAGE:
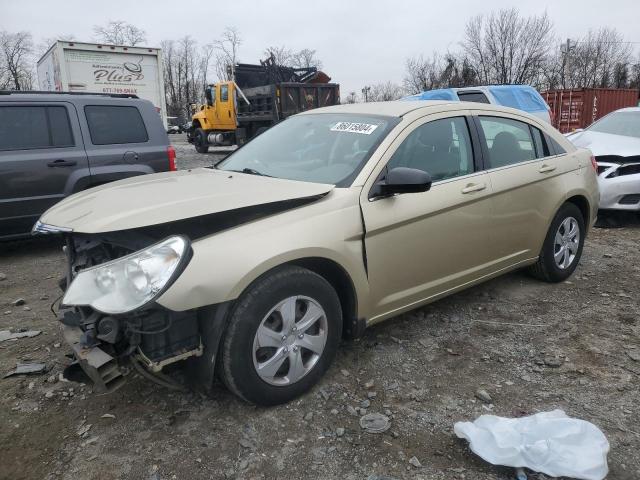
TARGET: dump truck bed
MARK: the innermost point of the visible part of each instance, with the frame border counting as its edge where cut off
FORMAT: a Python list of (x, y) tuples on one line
[(275, 102)]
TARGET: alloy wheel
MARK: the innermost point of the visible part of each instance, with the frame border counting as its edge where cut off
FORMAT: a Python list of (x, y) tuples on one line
[(566, 243), (290, 340)]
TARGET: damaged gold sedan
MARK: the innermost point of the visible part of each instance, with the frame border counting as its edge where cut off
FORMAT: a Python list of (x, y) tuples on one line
[(328, 222)]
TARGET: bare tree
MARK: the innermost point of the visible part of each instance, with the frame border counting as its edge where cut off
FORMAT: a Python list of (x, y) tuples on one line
[(351, 98), (305, 58), (119, 32), (600, 59), (16, 61), (45, 43), (505, 47), (226, 52), (384, 92), (282, 55), (422, 74), (185, 70)]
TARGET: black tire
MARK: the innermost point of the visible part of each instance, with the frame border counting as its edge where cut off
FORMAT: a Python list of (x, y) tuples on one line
[(200, 141), (236, 356), (545, 268)]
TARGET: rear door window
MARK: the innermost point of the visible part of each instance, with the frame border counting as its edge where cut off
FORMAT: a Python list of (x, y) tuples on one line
[(109, 125), (507, 141), (477, 97), (25, 127)]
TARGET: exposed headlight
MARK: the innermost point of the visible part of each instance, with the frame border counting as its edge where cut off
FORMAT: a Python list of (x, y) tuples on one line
[(127, 283)]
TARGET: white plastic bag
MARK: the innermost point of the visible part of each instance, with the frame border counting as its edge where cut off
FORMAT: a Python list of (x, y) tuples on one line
[(547, 442)]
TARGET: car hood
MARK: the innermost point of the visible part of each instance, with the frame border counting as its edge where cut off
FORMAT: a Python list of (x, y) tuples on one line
[(176, 196), (606, 143)]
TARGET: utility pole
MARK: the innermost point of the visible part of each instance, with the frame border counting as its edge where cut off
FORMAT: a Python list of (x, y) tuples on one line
[(565, 51)]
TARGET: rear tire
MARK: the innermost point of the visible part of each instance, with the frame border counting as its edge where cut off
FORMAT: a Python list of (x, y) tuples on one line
[(268, 357), (562, 247), (200, 141)]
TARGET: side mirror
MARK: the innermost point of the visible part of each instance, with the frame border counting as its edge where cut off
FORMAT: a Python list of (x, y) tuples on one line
[(402, 180)]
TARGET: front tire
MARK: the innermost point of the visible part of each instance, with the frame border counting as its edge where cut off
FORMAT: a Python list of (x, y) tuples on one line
[(562, 246), (200, 141), (282, 336)]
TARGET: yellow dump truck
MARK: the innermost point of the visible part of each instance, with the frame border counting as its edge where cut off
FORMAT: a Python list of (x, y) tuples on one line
[(261, 96)]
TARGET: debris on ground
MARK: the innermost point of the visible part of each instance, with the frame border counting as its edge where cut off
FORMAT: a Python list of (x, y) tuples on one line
[(483, 395), (27, 369), (375, 423), (9, 335), (549, 442)]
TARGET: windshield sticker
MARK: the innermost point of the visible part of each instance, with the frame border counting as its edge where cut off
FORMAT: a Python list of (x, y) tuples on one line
[(364, 128)]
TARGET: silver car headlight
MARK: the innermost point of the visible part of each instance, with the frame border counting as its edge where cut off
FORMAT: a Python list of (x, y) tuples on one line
[(129, 282)]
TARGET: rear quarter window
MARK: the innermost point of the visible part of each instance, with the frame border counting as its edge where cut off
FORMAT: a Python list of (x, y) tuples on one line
[(109, 125), (477, 97), (554, 146)]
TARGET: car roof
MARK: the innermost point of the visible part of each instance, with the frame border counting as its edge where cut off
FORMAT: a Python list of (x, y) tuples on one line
[(40, 96), (399, 108), (628, 109)]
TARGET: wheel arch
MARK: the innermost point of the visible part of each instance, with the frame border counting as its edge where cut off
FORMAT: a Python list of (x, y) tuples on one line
[(341, 282), (582, 203)]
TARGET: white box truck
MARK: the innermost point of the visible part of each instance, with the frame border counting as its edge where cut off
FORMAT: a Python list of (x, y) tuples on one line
[(98, 68)]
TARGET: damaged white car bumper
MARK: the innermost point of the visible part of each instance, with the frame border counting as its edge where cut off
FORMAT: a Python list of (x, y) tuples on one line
[(619, 186)]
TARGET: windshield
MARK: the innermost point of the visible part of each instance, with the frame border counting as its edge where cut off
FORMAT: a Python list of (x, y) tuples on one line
[(619, 123), (319, 148)]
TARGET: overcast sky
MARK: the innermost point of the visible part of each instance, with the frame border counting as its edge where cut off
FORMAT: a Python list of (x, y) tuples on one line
[(359, 42)]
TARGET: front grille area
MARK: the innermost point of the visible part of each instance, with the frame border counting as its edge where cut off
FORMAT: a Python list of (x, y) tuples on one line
[(633, 199)]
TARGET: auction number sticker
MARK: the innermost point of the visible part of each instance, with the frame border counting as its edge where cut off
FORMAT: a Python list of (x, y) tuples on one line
[(364, 128)]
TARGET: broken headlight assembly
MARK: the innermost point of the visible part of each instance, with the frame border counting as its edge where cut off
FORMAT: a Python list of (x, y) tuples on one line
[(129, 282)]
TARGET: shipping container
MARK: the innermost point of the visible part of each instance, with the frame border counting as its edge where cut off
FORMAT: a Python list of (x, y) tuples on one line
[(580, 107), (99, 68)]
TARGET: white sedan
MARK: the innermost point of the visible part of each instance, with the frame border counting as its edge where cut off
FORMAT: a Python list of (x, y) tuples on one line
[(614, 140)]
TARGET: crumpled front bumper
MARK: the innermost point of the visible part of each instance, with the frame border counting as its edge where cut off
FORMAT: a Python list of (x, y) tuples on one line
[(618, 193), (100, 367)]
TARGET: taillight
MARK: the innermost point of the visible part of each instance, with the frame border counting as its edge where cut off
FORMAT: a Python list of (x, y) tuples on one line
[(594, 164), (171, 153)]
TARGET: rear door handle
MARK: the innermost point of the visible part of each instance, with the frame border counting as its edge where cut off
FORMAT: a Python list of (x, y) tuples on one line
[(62, 163), (474, 187), (547, 168)]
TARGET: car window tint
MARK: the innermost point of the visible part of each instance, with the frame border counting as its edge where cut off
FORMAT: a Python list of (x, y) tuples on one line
[(224, 93), (542, 149), (477, 97), (61, 135), (23, 127), (441, 148), (507, 141), (115, 125)]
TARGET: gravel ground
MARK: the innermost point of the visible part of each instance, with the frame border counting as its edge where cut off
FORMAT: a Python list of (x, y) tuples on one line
[(531, 346)]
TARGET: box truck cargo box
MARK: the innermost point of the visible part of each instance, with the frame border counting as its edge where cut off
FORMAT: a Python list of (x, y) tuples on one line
[(97, 68)]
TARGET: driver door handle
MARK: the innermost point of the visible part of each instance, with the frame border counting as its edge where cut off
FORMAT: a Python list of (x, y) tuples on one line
[(62, 163), (474, 187), (546, 168)]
